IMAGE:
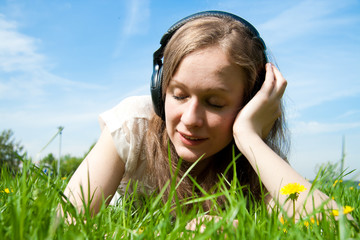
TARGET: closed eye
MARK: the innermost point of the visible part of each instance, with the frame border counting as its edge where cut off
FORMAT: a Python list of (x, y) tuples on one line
[(216, 105), (179, 98), (216, 102)]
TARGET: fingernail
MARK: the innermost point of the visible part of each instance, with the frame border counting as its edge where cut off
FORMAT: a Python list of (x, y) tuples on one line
[(268, 66)]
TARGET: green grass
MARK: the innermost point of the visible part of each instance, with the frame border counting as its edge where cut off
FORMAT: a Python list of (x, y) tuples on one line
[(29, 202)]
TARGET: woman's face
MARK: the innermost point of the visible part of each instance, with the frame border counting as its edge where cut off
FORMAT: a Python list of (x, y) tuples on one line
[(201, 103)]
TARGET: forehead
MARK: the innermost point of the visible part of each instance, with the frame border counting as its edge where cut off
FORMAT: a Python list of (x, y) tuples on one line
[(209, 67)]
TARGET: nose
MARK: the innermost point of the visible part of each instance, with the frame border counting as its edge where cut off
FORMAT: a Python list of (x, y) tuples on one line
[(193, 114)]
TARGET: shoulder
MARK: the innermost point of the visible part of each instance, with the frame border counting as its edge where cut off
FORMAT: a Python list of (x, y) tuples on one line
[(138, 106), (131, 109)]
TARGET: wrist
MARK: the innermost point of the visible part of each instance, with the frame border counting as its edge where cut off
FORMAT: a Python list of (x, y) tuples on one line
[(245, 140)]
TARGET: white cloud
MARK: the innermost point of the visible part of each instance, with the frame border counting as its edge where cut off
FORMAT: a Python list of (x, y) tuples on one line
[(24, 71), (318, 96), (314, 127), (17, 51), (304, 18), (33, 83), (51, 117), (348, 114), (137, 18), (137, 15), (311, 150), (34, 100)]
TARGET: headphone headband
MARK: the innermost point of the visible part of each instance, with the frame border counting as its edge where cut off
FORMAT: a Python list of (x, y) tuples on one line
[(219, 14), (156, 79)]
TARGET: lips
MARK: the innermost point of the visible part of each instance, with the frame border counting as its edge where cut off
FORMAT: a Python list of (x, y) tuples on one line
[(191, 139)]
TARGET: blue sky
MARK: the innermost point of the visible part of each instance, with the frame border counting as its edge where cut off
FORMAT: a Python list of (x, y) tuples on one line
[(64, 62)]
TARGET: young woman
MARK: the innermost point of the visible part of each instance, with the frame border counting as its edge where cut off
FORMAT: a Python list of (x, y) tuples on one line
[(214, 89)]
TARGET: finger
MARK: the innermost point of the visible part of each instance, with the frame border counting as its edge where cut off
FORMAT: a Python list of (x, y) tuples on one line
[(280, 82), (191, 225), (269, 82)]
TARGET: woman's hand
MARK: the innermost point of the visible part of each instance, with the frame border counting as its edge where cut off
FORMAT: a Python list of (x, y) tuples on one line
[(260, 113), (200, 222)]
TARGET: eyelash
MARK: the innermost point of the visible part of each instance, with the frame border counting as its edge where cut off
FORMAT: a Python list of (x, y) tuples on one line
[(216, 106), (180, 98)]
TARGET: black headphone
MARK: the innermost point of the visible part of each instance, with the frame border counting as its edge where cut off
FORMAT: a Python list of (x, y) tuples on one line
[(156, 79)]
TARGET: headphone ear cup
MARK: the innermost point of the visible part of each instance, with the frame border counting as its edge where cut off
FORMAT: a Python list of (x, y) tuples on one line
[(156, 91)]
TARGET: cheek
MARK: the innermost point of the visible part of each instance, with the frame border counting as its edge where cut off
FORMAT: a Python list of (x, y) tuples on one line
[(223, 124), (172, 116)]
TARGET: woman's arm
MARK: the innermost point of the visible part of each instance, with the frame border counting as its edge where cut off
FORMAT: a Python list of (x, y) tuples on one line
[(98, 175), (252, 125)]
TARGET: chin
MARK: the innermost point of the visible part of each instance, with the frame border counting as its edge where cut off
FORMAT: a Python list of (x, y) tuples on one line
[(191, 157), (190, 160)]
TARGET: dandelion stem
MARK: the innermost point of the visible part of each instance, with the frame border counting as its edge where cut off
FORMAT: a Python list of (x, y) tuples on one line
[(294, 210)]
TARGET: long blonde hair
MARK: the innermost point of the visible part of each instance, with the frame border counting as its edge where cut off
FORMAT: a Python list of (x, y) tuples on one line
[(246, 52)]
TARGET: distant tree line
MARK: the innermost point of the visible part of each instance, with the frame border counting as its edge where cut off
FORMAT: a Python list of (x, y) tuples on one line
[(12, 154)]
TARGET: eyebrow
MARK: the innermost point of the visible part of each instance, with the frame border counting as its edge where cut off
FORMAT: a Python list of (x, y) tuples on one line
[(173, 83)]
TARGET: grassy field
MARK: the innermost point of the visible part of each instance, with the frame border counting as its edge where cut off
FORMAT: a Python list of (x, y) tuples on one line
[(29, 202)]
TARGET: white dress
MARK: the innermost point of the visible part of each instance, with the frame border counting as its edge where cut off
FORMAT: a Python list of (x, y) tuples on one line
[(128, 124)]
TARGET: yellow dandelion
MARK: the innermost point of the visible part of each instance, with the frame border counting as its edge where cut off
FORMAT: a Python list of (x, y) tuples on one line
[(359, 184), (351, 188), (313, 221), (306, 224), (141, 230), (337, 181), (335, 212), (7, 190), (282, 220), (333, 198), (346, 210), (292, 188), (63, 178)]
